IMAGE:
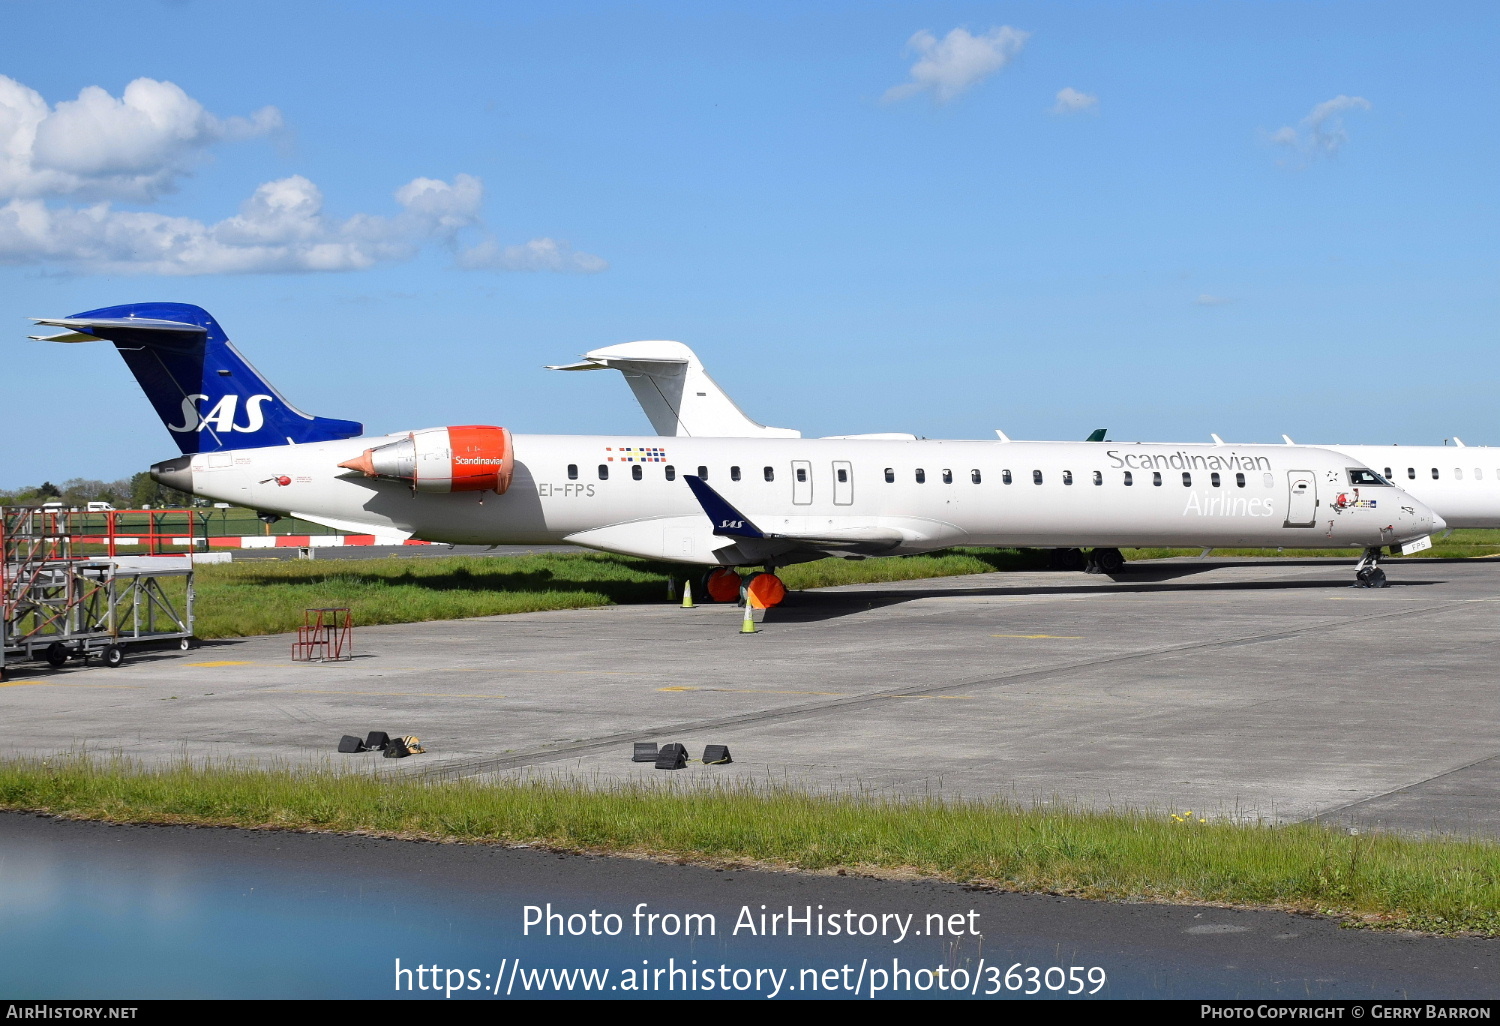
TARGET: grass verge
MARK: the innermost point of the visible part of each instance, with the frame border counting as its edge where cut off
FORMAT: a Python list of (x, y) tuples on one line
[(244, 599), (1445, 886)]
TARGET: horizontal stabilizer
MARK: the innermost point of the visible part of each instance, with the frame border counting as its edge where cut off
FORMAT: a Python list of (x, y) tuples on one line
[(207, 395), (675, 392)]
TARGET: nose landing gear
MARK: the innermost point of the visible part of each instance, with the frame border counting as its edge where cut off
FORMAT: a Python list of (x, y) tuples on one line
[(1367, 573)]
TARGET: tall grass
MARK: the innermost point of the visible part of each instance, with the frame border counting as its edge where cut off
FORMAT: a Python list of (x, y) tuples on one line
[(1441, 885)]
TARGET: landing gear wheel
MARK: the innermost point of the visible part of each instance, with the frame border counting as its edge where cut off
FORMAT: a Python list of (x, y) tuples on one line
[(1068, 559), (1107, 561), (114, 655), (56, 655), (721, 584), (763, 590), (1371, 577)]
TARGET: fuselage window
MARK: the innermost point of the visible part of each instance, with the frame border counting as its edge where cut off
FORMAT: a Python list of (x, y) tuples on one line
[(1434, 473), (1411, 473), (1005, 477), (1098, 477), (1129, 479), (801, 474), (1187, 479), (770, 474), (604, 471), (635, 472), (1458, 474), (734, 473), (1067, 477), (1269, 480), (671, 472), (1388, 473), (1214, 478), (947, 476), (572, 472), (1156, 478), (921, 476), (1036, 477), (1239, 480), (843, 476), (974, 476), (890, 475), (1478, 474), (703, 473)]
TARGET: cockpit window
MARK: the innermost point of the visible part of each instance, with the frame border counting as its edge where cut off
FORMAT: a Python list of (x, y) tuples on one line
[(1363, 476)]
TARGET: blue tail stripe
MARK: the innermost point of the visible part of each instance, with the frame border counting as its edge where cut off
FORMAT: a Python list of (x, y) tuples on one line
[(204, 391), (727, 520)]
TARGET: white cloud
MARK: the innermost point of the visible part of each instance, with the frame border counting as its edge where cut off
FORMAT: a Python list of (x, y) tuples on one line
[(99, 147), (280, 228), (139, 146), (1322, 132), (952, 65), (536, 255), (1071, 101)]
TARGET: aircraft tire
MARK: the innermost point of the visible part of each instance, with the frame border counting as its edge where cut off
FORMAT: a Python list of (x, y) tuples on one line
[(1068, 559), (763, 590), (1109, 561), (721, 584)]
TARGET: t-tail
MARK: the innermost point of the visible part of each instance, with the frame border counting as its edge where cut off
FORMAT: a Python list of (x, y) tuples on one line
[(206, 393)]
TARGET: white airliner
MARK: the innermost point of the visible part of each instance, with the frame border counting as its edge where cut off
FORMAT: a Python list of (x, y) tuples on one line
[(727, 502), (1461, 483)]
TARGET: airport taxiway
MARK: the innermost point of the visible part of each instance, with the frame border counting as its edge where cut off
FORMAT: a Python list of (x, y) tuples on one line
[(1257, 688)]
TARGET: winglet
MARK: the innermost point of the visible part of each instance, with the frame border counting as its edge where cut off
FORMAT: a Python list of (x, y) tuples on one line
[(1003, 436), (727, 520), (1098, 435), (1288, 439), (1216, 438)]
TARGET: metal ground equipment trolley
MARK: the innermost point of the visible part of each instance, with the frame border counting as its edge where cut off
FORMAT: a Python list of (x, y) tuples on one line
[(58, 605)]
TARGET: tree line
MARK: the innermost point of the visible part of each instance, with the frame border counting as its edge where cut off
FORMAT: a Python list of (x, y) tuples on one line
[(134, 492)]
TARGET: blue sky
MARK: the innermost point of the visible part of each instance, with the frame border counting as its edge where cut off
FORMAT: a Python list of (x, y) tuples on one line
[(1245, 218)]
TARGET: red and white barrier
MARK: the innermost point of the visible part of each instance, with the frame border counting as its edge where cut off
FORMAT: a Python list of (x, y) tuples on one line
[(256, 541)]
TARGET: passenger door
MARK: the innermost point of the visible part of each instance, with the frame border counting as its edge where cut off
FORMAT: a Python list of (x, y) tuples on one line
[(843, 483), (1302, 502), (802, 490)]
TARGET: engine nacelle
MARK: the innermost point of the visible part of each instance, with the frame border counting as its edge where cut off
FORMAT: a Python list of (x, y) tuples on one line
[(473, 458)]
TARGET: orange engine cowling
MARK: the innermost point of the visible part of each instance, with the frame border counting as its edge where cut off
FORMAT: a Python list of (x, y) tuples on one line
[(472, 458)]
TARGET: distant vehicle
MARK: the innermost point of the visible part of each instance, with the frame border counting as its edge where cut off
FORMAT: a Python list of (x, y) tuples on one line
[(100, 507), (56, 507)]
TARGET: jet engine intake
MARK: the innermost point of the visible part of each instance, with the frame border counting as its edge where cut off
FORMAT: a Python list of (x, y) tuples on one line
[(472, 458)]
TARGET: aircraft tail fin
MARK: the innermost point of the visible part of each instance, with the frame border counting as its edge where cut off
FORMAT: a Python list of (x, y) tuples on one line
[(1098, 435), (209, 396), (676, 393)]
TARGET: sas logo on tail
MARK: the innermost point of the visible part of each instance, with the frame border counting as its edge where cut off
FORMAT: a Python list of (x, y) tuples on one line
[(221, 416)]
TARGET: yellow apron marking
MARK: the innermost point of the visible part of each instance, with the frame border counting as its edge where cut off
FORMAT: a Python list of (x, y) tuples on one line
[(226, 662), (1057, 637)]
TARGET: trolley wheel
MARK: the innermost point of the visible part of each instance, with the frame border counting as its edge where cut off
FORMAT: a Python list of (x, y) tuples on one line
[(114, 655), (721, 584), (56, 655), (187, 644)]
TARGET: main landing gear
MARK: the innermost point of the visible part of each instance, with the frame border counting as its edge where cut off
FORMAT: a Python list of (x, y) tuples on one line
[(1095, 561), (1367, 573), (763, 590)]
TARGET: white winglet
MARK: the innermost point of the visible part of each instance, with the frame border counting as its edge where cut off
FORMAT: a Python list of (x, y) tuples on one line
[(1216, 438), (1003, 436), (1288, 440)]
